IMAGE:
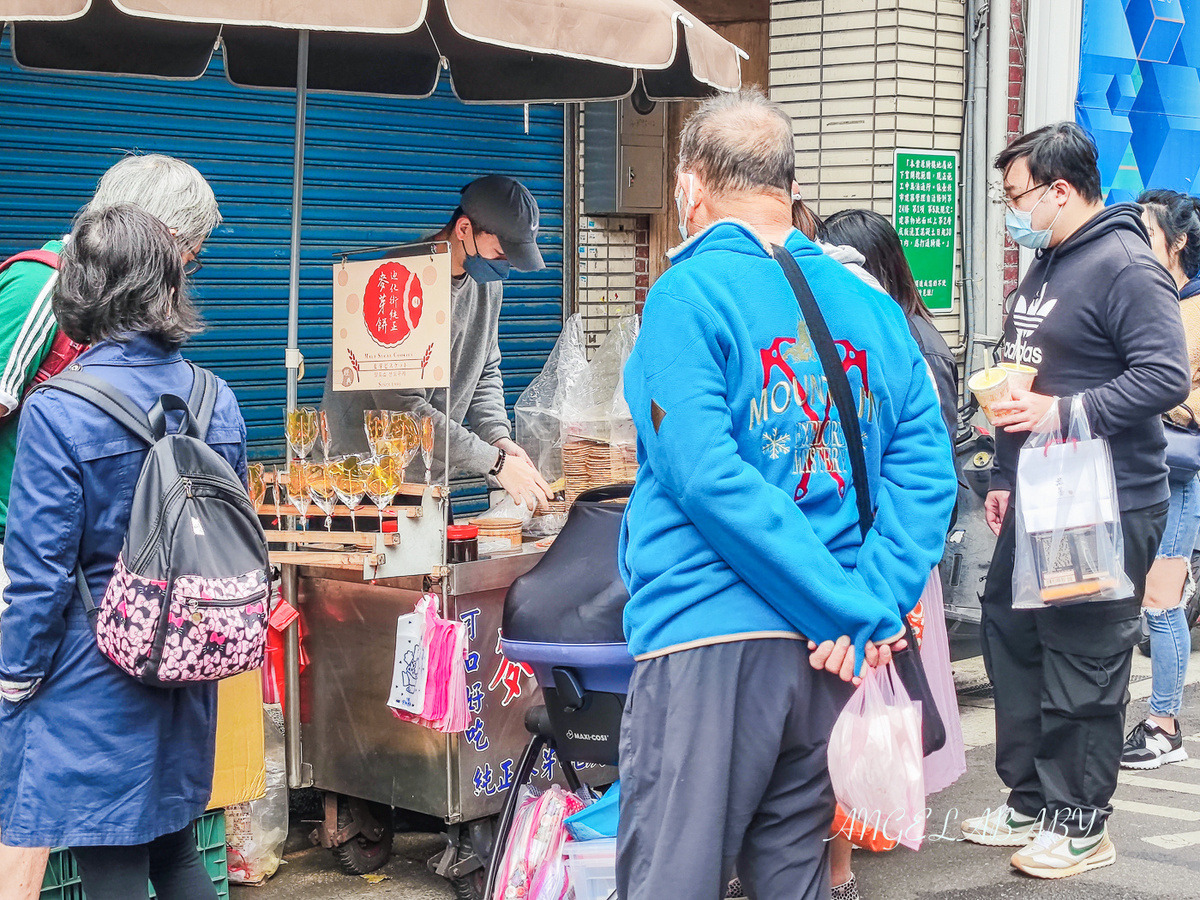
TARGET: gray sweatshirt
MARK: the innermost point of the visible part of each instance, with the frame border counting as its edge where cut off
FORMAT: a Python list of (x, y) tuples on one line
[(478, 417)]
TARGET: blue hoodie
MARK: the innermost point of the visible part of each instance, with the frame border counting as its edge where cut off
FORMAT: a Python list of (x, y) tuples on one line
[(743, 522)]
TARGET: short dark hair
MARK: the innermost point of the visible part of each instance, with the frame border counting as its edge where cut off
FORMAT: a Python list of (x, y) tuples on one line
[(459, 214), (1059, 151), (874, 237), (121, 273), (1177, 215)]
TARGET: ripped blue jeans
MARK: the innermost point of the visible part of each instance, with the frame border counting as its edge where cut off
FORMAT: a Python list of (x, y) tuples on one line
[(1170, 640)]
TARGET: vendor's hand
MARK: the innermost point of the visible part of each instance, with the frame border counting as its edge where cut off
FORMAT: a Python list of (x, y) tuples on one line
[(838, 657), (523, 482), (1023, 411), (995, 508), (512, 448)]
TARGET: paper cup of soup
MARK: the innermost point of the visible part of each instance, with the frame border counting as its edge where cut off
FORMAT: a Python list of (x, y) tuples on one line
[(990, 386), (1020, 376)]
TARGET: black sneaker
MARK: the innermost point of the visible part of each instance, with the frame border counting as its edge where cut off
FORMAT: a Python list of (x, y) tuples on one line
[(1148, 747)]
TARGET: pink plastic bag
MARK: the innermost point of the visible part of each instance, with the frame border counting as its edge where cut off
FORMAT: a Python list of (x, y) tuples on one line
[(942, 767), (445, 703), (875, 758)]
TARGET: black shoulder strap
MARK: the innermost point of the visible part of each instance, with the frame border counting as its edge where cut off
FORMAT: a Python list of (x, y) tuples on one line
[(83, 591), (103, 395), (204, 397), (839, 384)]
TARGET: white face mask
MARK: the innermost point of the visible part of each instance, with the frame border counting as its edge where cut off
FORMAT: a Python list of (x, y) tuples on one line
[(683, 205)]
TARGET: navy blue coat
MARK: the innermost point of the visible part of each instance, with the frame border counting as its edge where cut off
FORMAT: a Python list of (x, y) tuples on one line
[(93, 757)]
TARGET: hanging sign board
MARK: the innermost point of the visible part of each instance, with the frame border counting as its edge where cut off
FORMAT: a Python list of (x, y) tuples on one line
[(926, 205), (391, 321)]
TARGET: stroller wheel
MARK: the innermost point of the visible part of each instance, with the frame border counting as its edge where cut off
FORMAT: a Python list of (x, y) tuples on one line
[(476, 837)]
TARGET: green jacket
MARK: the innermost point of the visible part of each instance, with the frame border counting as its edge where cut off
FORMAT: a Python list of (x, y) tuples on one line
[(27, 329)]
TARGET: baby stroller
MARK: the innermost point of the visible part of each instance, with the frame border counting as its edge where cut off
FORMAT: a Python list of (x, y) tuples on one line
[(564, 619)]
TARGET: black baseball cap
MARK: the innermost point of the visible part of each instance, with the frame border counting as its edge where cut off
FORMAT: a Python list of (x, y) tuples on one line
[(504, 206)]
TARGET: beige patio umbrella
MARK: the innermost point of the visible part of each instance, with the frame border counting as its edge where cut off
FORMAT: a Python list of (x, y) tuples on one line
[(496, 51)]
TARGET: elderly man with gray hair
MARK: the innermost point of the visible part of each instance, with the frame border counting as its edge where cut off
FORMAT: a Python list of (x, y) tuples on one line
[(759, 585), (176, 194)]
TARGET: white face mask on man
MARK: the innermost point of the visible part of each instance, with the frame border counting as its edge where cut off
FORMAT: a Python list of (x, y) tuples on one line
[(684, 204)]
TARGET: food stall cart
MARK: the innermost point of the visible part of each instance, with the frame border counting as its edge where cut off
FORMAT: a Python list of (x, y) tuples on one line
[(350, 588)]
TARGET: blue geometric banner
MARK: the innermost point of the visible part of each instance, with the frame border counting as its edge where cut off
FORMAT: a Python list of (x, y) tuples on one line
[(1139, 93)]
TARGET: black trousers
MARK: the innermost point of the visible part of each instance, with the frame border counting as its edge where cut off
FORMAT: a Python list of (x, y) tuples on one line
[(724, 763), (1061, 679), (171, 862)]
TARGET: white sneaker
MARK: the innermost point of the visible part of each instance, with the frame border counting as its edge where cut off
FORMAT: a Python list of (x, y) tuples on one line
[(1002, 827), (1148, 746), (1053, 855)]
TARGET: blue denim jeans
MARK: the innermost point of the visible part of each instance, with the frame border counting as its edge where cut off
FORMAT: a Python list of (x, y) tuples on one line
[(1170, 641)]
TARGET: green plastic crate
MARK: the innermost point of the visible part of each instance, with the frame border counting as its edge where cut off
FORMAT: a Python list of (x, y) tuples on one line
[(62, 874), (62, 877)]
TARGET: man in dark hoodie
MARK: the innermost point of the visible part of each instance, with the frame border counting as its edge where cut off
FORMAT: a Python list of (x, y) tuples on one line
[(1099, 319)]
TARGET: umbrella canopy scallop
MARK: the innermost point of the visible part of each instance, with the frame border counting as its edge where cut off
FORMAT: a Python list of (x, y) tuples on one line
[(495, 50)]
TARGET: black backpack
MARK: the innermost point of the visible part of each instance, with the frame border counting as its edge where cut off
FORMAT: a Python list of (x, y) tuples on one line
[(190, 595)]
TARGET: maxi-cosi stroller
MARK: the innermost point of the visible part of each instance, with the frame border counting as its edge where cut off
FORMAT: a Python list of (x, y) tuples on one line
[(564, 619)]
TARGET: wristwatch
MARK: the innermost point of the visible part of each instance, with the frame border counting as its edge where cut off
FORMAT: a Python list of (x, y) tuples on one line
[(495, 470)]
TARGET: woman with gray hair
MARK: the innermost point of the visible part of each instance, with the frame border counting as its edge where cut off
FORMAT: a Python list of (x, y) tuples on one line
[(95, 760)]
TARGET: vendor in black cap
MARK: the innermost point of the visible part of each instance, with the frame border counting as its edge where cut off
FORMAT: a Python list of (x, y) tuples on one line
[(493, 229)]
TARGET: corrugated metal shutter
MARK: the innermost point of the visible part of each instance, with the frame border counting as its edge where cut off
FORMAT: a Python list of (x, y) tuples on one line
[(378, 171), (861, 78)]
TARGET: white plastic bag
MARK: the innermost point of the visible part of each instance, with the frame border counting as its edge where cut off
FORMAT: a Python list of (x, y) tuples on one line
[(875, 758), (1068, 526), (255, 832), (508, 508), (411, 664)]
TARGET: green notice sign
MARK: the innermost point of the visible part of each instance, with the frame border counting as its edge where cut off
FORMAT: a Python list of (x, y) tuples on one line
[(926, 192)]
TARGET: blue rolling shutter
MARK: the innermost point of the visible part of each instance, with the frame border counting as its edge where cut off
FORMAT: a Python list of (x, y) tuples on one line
[(378, 171)]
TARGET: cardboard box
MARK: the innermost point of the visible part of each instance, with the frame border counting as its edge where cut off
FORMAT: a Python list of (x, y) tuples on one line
[(239, 771)]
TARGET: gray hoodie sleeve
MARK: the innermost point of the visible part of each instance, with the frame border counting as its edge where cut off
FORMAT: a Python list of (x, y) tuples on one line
[(487, 413)]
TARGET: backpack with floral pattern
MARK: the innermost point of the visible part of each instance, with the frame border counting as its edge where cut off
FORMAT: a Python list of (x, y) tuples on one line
[(190, 595)]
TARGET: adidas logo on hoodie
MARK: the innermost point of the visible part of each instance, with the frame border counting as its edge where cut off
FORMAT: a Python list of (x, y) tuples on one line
[(1027, 316)]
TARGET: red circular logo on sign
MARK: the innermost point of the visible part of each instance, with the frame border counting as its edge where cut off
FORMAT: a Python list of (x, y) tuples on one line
[(392, 304)]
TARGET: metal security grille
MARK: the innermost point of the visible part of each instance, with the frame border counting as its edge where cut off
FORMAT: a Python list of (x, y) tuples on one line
[(378, 171)]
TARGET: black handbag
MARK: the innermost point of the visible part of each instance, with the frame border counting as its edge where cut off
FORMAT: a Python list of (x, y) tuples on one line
[(1183, 451), (907, 661)]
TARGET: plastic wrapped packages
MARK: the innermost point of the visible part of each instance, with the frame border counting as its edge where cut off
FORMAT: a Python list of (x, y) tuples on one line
[(1069, 543), (532, 866), (255, 832), (875, 758), (540, 407), (589, 405), (572, 419)]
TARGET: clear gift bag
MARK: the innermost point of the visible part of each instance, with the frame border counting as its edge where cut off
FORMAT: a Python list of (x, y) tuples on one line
[(1068, 524), (875, 758)]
